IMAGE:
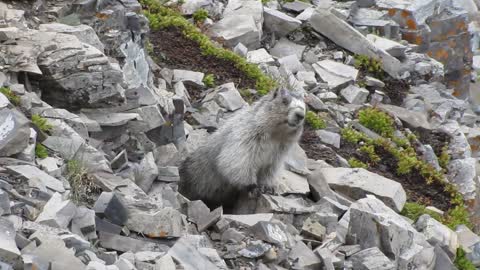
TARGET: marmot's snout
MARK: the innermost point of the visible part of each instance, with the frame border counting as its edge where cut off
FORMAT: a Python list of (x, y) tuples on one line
[(296, 117)]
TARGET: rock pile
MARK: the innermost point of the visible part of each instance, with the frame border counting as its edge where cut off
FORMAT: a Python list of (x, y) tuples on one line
[(93, 129)]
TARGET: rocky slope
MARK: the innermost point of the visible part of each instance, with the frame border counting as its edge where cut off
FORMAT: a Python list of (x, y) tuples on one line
[(101, 100)]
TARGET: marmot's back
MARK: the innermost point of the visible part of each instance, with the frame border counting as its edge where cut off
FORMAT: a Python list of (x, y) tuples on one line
[(246, 151)]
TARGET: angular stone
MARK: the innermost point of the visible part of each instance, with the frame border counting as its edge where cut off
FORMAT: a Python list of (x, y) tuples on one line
[(14, 132), (165, 263), (280, 204), (373, 224), (83, 223), (355, 95), (313, 228), (334, 73), (189, 257), (57, 213), (307, 76), (255, 249), (180, 75), (236, 29), (249, 220), (329, 137), (168, 174), (37, 177), (108, 205), (50, 166), (303, 257), (124, 264), (231, 235), (124, 244), (83, 32), (291, 63), (112, 119), (315, 103), (291, 183), (241, 50), (285, 47), (4, 203), (438, 234), (442, 261), (103, 225), (9, 252), (357, 183), (395, 49), (208, 220), (279, 23), (371, 259), (372, 82), (271, 232), (297, 6), (228, 97), (413, 119), (260, 56), (462, 173), (147, 172)]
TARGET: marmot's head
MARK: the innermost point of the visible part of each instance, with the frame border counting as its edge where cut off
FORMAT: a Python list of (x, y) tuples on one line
[(289, 109)]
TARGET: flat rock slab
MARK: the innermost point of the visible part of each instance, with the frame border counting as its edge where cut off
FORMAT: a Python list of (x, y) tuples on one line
[(334, 73), (412, 118), (57, 213), (357, 183), (14, 132), (35, 176), (279, 23), (189, 256), (9, 252), (372, 259), (125, 244), (249, 220)]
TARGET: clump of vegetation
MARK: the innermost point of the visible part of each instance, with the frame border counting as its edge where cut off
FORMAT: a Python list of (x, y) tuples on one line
[(200, 15), (369, 65), (369, 150), (160, 17), (355, 163), (414, 210), (377, 121), (209, 80), (461, 261), (149, 47), (11, 96), (83, 187), (41, 123), (41, 151), (444, 158), (314, 121)]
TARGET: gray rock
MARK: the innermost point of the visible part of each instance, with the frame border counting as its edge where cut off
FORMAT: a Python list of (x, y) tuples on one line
[(296, 6), (210, 219), (57, 213), (83, 223), (470, 242), (319, 186), (442, 261), (255, 249), (303, 257), (373, 224), (279, 23), (306, 14), (50, 166), (165, 263), (291, 183), (334, 73), (355, 95), (9, 252), (228, 97), (280, 204), (124, 244), (372, 82), (328, 137), (150, 116), (180, 75), (236, 29), (271, 232), (260, 56), (38, 178), (285, 47), (307, 77), (315, 103), (4, 102), (249, 220), (168, 174), (4, 203), (14, 132), (124, 264), (84, 33), (241, 50), (148, 256), (411, 118), (462, 173), (395, 49), (438, 234), (110, 206), (357, 183), (213, 256), (291, 63), (189, 257), (231, 235), (111, 119), (312, 227), (147, 172), (371, 259)]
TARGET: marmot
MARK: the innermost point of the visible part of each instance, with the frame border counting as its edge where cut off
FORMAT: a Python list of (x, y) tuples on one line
[(246, 152)]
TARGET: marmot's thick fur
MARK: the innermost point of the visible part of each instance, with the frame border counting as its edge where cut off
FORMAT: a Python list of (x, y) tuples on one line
[(245, 152)]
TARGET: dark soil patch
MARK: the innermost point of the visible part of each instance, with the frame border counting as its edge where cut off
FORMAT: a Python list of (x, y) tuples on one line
[(414, 184), (436, 139), (396, 90), (173, 50)]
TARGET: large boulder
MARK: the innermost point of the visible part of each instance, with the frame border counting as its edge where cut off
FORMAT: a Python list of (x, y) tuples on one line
[(14, 132)]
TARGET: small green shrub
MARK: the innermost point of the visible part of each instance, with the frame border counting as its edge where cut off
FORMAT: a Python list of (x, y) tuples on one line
[(11, 96), (314, 120), (369, 150), (83, 187), (41, 123), (209, 80), (352, 136), (355, 163), (41, 151), (414, 210), (461, 261), (444, 157), (200, 15), (377, 121), (456, 216), (369, 65)]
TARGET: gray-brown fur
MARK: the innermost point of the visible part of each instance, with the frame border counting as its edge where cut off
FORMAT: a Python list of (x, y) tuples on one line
[(246, 151)]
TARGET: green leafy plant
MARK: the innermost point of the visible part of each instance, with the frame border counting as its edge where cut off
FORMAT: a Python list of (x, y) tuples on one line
[(83, 187), (369, 65), (11, 96), (444, 158), (414, 210), (209, 80), (41, 123), (160, 17), (462, 262), (377, 121), (314, 121), (200, 15), (370, 151), (41, 151), (355, 163)]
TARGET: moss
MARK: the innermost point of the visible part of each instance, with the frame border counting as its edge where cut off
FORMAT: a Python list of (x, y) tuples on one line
[(162, 17), (11, 96), (41, 151), (457, 216), (41, 123), (314, 120), (461, 261), (352, 136), (444, 158), (377, 121), (369, 150), (369, 65), (355, 163), (200, 15), (414, 210), (209, 80)]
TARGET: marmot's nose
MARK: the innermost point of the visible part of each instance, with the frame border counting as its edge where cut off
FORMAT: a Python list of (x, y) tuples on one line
[(299, 116)]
